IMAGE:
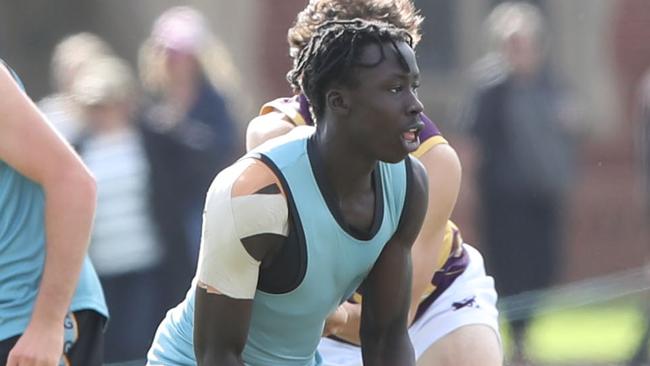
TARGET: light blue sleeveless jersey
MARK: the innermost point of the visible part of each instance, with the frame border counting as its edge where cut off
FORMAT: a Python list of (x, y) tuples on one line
[(22, 255), (286, 328)]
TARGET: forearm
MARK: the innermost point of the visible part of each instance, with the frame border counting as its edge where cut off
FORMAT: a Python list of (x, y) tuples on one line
[(69, 209), (209, 359), (221, 328), (387, 349)]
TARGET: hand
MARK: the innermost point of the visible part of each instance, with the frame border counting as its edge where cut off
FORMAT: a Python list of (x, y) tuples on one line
[(335, 321), (38, 346)]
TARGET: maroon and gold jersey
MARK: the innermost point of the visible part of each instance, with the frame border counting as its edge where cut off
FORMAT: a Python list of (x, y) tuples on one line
[(453, 259)]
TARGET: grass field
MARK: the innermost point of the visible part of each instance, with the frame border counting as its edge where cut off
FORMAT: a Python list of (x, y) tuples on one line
[(605, 334)]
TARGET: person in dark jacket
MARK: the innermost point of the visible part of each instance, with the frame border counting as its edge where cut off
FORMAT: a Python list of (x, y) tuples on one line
[(188, 130), (523, 126)]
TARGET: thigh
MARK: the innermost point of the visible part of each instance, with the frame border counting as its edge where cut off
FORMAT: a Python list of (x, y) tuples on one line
[(452, 349), (84, 340), (468, 304)]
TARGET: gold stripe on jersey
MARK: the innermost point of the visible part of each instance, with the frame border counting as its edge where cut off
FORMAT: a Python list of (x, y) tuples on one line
[(450, 243), (451, 247), (429, 144), (290, 109)]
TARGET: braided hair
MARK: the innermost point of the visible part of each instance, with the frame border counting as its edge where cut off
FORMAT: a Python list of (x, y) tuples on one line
[(401, 13), (334, 50)]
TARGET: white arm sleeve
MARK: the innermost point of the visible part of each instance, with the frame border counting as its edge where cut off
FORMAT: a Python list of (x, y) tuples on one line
[(224, 264)]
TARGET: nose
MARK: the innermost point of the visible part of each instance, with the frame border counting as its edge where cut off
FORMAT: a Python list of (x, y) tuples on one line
[(415, 107)]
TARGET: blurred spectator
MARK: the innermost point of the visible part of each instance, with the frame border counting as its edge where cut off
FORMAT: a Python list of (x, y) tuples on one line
[(188, 130), (644, 138), (68, 57), (523, 122), (124, 244), (641, 355)]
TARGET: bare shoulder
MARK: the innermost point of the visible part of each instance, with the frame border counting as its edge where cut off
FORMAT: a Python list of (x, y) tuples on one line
[(243, 184), (255, 178), (265, 127), (441, 157)]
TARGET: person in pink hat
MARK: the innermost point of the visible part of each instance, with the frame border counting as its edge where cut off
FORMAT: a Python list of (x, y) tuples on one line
[(188, 131)]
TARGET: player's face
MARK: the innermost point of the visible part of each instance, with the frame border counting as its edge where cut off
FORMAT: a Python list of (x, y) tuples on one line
[(523, 53), (384, 105)]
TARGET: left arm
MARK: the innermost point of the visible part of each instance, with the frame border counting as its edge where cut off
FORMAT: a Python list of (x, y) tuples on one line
[(384, 315)]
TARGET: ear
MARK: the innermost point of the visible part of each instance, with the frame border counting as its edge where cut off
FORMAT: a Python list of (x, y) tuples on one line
[(337, 101)]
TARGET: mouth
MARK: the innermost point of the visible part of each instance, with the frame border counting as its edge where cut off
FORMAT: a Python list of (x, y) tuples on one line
[(411, 136)]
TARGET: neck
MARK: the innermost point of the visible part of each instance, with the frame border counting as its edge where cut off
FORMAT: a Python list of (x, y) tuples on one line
[(347, 171)]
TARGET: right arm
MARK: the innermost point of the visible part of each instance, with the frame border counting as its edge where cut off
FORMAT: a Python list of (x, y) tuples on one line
[(220, 328), (32, 147), (242, 227)]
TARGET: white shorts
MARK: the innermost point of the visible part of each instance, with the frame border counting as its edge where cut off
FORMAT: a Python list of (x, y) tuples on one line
[(471, 299)]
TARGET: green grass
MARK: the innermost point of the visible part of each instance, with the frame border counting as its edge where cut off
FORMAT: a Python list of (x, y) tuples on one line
[(597, 334)]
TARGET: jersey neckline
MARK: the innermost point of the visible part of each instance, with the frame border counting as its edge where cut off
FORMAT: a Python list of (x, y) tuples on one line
[(327, 192)]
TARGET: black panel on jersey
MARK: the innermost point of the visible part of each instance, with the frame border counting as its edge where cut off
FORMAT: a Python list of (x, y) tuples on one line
[(331, 201), (257, 245), (270, 189), (288, 265)]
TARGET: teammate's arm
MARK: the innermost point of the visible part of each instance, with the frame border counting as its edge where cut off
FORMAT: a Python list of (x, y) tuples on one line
[(265, 127), (32, 147), (443, 192), (245, 220), (387, 290)]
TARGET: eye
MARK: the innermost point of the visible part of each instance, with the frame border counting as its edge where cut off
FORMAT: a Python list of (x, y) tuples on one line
[(396, 89), (415, 86)]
